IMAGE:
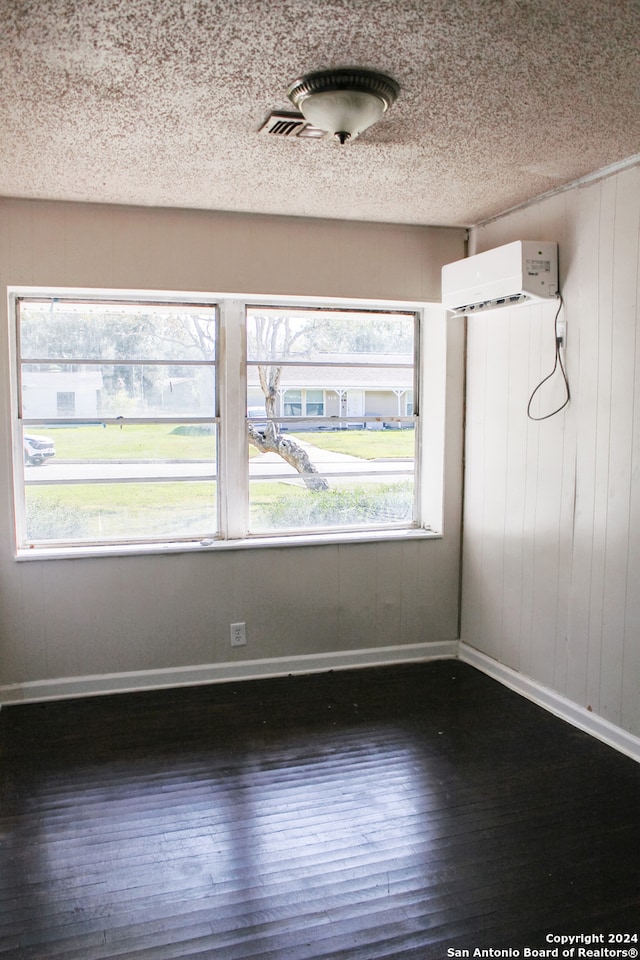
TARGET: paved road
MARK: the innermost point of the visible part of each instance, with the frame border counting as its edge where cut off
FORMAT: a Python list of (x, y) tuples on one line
[(267, 466)]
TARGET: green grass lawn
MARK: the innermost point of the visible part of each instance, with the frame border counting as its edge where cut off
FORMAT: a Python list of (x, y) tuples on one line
[(157, 441), (121, 510), (144, 441), (367, 444), (347, 503)]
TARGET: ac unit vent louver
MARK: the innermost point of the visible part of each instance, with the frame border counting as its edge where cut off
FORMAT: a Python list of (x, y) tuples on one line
[(517, 272), (283, 123)]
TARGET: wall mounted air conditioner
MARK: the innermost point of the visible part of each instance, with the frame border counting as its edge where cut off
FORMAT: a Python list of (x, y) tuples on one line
[(517, 272)]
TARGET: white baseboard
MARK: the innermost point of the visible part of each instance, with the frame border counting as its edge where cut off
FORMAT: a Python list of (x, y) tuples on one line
[(67, 687), (554, 702)]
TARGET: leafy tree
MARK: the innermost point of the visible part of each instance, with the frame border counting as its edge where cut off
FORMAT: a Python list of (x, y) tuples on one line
[(61, 335)]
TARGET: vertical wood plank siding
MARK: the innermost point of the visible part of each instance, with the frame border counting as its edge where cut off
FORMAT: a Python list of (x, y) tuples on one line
[(552, 521)]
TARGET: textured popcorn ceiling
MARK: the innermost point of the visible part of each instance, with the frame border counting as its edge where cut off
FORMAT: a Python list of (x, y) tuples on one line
[(158, 102)]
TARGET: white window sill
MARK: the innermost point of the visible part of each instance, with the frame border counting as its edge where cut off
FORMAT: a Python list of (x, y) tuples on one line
[(213, 546)]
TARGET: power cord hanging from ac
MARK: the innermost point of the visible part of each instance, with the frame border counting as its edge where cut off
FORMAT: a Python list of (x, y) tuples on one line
[(558, 365)]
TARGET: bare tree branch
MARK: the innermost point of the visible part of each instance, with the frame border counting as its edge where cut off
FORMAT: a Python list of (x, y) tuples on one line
[(268, 441)]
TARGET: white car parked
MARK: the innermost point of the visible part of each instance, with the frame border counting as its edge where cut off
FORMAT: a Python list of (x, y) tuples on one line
[(38, 450)]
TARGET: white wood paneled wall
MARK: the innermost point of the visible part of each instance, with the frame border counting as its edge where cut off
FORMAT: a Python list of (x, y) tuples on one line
[(551, 560)]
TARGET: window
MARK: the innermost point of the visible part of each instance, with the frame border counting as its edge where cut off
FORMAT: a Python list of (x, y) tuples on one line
[(293, 403), (336, 469), (409, 402), (308, 403), (314, 403), (66, 403), (125, 394), (137, 429)]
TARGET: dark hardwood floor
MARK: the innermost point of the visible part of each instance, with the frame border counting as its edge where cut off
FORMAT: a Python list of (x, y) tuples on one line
[(392, 812)]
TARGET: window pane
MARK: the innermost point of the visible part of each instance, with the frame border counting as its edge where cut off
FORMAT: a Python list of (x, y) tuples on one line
[(75, 485), (344, 477), (315, 403), (352, 503), (127, 481), (63, 329), (409, 402), (290, 334), (123, 390), (66, 403), (120, 512), (292, 406), (339, 450)]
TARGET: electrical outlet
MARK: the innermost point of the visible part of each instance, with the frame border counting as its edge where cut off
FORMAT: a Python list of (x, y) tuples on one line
[(238, 634)]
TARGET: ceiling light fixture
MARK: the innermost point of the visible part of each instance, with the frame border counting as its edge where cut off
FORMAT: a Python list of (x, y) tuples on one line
[(344, 101)]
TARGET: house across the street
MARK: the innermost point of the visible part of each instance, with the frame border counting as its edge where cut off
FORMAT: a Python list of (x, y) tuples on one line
[(57, 393), (351, 389)]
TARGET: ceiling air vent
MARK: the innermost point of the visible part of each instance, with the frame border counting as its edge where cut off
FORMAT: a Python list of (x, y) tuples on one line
[(283, 123)]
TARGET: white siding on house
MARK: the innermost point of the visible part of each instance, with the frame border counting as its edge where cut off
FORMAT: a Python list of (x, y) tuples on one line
[(551, 562), (55, 394), (94, 617)]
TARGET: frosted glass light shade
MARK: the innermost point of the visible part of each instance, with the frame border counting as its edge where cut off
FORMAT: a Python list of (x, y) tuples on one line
[(342, 112), (343, 102)]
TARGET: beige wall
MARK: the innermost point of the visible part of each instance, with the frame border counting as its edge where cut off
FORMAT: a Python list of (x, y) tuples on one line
[(95, 617), (551, 563)]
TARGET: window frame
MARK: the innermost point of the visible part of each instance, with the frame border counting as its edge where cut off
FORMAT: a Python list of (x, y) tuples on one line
[(24, 423), (233, 445)]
